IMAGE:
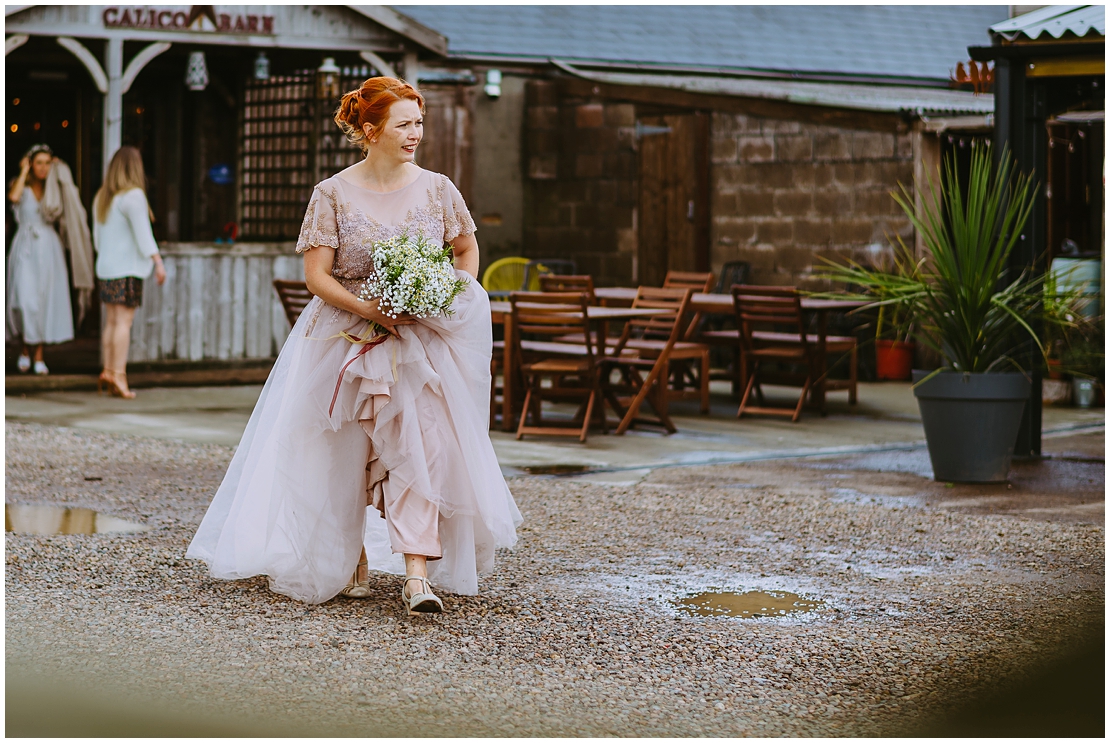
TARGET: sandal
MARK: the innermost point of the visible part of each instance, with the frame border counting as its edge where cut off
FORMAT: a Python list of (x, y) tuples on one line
[(357, 589), (112, 381), (422, 602)]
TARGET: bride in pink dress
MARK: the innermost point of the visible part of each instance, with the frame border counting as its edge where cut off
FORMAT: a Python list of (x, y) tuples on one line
[(350, 461)]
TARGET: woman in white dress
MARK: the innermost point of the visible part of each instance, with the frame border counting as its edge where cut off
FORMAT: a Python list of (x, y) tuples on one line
[(351, 461), (39, 310)]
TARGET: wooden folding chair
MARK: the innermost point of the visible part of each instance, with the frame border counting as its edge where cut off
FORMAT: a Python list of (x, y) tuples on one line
[(546, 267), (294, 296), (686, 373), (774, 308), (542, 315), (836, 347), (697, 280), (583, 283), (644, 376)]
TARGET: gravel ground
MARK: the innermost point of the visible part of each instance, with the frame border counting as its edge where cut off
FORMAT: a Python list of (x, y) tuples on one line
[(930, 596)]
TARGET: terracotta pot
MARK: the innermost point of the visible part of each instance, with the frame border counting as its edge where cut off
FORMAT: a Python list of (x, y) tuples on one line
[(893, 359)]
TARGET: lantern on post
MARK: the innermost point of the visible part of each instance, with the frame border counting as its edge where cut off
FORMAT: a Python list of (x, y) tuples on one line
[(327, 80)]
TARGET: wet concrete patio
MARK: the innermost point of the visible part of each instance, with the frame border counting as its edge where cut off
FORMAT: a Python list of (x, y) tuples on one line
[(886, 419)]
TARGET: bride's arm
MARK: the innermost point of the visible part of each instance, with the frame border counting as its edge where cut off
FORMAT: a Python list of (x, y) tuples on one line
[(466, 254), (15, 191), (317, 273)]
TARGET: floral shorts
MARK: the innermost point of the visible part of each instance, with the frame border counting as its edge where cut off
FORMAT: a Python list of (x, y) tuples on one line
[(127, 291)]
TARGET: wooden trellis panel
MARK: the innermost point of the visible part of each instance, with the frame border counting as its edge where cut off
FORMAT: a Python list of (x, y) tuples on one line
[(278, 142), (333, 151)]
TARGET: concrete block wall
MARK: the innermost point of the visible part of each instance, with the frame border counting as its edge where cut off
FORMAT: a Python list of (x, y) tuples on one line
[(580, 182), (785, 192)]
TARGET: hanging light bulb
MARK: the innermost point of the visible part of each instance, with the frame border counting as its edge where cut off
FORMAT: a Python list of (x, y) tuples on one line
[(196, 74), (261, 67)]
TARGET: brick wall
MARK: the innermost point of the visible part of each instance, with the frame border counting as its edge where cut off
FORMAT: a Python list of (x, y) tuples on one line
[(785, 192), (581, 187)]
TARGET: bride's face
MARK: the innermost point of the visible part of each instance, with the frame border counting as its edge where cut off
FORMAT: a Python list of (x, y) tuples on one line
[(402, 132), (40, 166)]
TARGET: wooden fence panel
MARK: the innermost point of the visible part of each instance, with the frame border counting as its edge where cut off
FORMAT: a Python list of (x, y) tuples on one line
[(218, 303)]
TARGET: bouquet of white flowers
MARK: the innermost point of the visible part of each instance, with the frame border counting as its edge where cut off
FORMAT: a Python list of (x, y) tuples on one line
[(411, 275)]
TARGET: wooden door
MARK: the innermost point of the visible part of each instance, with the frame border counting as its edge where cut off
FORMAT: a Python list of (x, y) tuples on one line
[(674, 195), (446, 147)]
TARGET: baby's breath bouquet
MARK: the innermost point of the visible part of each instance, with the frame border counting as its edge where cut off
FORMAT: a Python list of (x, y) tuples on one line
[(412, 275)]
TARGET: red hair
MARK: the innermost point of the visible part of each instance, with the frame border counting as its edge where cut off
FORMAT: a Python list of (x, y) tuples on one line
[(369, 104)]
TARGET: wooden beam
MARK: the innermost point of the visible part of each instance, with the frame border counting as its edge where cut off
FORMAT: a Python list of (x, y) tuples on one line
[(1066, 67), (14, 42), (681, 99), (379, 64), (405, 26), (77, 49), (136, 65)]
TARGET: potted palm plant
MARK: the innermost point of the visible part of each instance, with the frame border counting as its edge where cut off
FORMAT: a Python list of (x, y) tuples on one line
[(966, 304)]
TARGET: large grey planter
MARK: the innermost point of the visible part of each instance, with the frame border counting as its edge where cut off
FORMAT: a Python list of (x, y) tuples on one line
[(971, 423)]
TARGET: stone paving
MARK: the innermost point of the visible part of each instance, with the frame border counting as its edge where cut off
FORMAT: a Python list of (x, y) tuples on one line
[(930, 595)]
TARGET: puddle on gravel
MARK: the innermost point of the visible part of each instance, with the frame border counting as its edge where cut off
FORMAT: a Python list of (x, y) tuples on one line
[(557, 469), (747, 605), (62, 520)]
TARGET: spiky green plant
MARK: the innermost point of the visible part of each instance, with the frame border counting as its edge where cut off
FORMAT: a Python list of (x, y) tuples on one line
[(962, 298)]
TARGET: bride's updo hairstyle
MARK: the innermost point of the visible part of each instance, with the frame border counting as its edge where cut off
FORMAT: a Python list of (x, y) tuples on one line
[(370, 105)]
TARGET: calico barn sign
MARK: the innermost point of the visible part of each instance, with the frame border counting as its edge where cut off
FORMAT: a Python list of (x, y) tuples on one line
[(202, 18)]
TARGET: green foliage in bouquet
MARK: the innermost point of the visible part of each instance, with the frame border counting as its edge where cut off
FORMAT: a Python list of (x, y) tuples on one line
[(962, 299)]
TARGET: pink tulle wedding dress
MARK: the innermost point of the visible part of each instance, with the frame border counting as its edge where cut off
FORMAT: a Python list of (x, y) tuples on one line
[(307, 488)]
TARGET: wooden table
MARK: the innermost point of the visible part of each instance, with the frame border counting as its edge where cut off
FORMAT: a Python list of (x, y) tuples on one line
[(721, 304), (501, 313)]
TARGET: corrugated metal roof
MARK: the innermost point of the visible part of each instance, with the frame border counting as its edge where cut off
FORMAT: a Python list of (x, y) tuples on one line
[(882, 98), (1055, 20), (901, 42)]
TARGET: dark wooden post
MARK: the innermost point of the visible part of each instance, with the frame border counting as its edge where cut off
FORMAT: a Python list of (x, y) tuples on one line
[(1020, 108)]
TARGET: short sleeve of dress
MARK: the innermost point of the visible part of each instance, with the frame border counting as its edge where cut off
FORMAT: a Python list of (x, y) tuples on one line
[(456, 217), (320, 227)]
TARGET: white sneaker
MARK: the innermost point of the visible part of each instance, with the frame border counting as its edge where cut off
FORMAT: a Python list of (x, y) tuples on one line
[(40, 368), (23, 364)]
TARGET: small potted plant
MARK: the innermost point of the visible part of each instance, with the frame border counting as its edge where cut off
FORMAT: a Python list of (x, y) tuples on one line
[(1083, 358), (970, 307), (894, 346)]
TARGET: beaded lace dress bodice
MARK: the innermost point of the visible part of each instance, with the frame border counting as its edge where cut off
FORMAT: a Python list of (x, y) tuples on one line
[(350, 219)]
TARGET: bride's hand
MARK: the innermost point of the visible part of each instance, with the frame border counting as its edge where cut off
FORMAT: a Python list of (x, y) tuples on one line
[(389, 324)]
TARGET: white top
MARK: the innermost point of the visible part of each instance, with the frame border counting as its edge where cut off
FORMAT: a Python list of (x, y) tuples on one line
[(124, 242)]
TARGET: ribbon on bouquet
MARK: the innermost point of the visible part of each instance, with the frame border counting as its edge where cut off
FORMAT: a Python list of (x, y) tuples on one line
[(367, 344)]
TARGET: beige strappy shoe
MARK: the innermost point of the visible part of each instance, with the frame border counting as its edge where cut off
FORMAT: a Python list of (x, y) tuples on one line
[(423, 601), (357, 589)]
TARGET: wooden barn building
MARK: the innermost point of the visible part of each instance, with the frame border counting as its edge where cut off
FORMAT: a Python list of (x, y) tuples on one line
[(630, 139)]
